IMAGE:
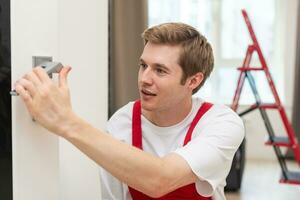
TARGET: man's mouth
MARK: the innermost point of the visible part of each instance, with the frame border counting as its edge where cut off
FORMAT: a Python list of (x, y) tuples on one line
[(147, 92)]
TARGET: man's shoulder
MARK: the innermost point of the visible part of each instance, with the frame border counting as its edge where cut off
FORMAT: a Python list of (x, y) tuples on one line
[(123, 113), (219, 112), (221, 122), (221, 109), (119, 125), (224, 113)]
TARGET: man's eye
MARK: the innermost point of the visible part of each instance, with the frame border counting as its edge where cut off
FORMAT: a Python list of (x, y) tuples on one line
[(160, 71), (142, 65)]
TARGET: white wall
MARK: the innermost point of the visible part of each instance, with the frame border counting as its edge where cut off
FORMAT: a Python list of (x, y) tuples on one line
[(75, 33), (35, 152), (83, 43), (289, 49)]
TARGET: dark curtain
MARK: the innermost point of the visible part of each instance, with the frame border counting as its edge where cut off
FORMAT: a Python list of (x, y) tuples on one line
[(5, 99), (296, 99), (128, 19), (5, 103)]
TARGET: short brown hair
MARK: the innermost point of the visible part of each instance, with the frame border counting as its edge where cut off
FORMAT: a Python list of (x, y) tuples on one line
[(196, 53)]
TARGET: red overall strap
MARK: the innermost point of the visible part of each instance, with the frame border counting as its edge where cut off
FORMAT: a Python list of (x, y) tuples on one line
[(203, 109), (136, 125), (137, 142), (186, 192)]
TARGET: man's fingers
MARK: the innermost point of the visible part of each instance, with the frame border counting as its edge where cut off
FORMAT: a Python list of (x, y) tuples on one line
[(24, 94), (63, 76), (32, 77), (41, 74), (28, 85)]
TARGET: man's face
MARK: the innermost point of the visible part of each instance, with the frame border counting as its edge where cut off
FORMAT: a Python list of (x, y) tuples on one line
[(159, 78)]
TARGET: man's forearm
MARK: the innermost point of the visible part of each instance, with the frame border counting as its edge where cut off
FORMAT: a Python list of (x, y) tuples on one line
[(130, 165)]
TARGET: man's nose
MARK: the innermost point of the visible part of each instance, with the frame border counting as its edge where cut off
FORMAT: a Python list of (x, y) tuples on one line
[(146, 76)]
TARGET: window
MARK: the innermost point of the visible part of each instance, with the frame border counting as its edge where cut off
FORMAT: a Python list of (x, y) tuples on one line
[(222, 23)]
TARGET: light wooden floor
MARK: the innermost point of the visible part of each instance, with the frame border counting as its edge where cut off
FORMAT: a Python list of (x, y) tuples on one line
[(260, 182)]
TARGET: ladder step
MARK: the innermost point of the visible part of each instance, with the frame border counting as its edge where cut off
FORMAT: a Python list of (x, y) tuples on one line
[(279, 141), (292, 178), (264, 106), (268, 106), (250, 68)]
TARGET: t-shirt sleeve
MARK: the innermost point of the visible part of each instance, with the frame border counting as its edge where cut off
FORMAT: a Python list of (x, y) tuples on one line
[(119, 124), (210, 152), (111, 188)]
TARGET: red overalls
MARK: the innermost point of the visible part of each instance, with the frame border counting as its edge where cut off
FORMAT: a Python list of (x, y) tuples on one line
[(187, 192)]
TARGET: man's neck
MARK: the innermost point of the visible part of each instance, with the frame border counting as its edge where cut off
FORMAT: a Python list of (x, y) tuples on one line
[(169, 117)]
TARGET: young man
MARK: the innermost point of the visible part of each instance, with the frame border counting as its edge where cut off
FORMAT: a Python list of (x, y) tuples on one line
[(167, 145)]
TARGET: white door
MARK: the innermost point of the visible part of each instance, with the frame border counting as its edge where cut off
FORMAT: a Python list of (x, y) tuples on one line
[(74, 33)]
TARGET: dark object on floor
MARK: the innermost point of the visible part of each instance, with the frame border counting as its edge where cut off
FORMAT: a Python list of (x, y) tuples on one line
[(234, 179)]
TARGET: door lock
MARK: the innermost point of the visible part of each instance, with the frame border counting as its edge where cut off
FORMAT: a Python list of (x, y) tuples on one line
[(49, 67)]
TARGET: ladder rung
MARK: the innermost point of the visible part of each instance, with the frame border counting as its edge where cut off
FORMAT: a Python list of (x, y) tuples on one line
[(279, 141), (292, 177), (250, 68), (268, 106)]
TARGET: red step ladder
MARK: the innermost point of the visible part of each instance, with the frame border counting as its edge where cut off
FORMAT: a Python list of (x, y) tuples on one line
[(276, 141)]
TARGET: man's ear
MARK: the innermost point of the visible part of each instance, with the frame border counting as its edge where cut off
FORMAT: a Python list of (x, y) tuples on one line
[(195, 80)]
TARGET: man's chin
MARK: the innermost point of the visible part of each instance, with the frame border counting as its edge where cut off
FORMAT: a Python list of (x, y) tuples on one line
[(147, 105)]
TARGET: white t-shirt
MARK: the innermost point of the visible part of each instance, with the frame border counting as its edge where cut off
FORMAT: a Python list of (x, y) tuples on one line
[(215, 139)]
